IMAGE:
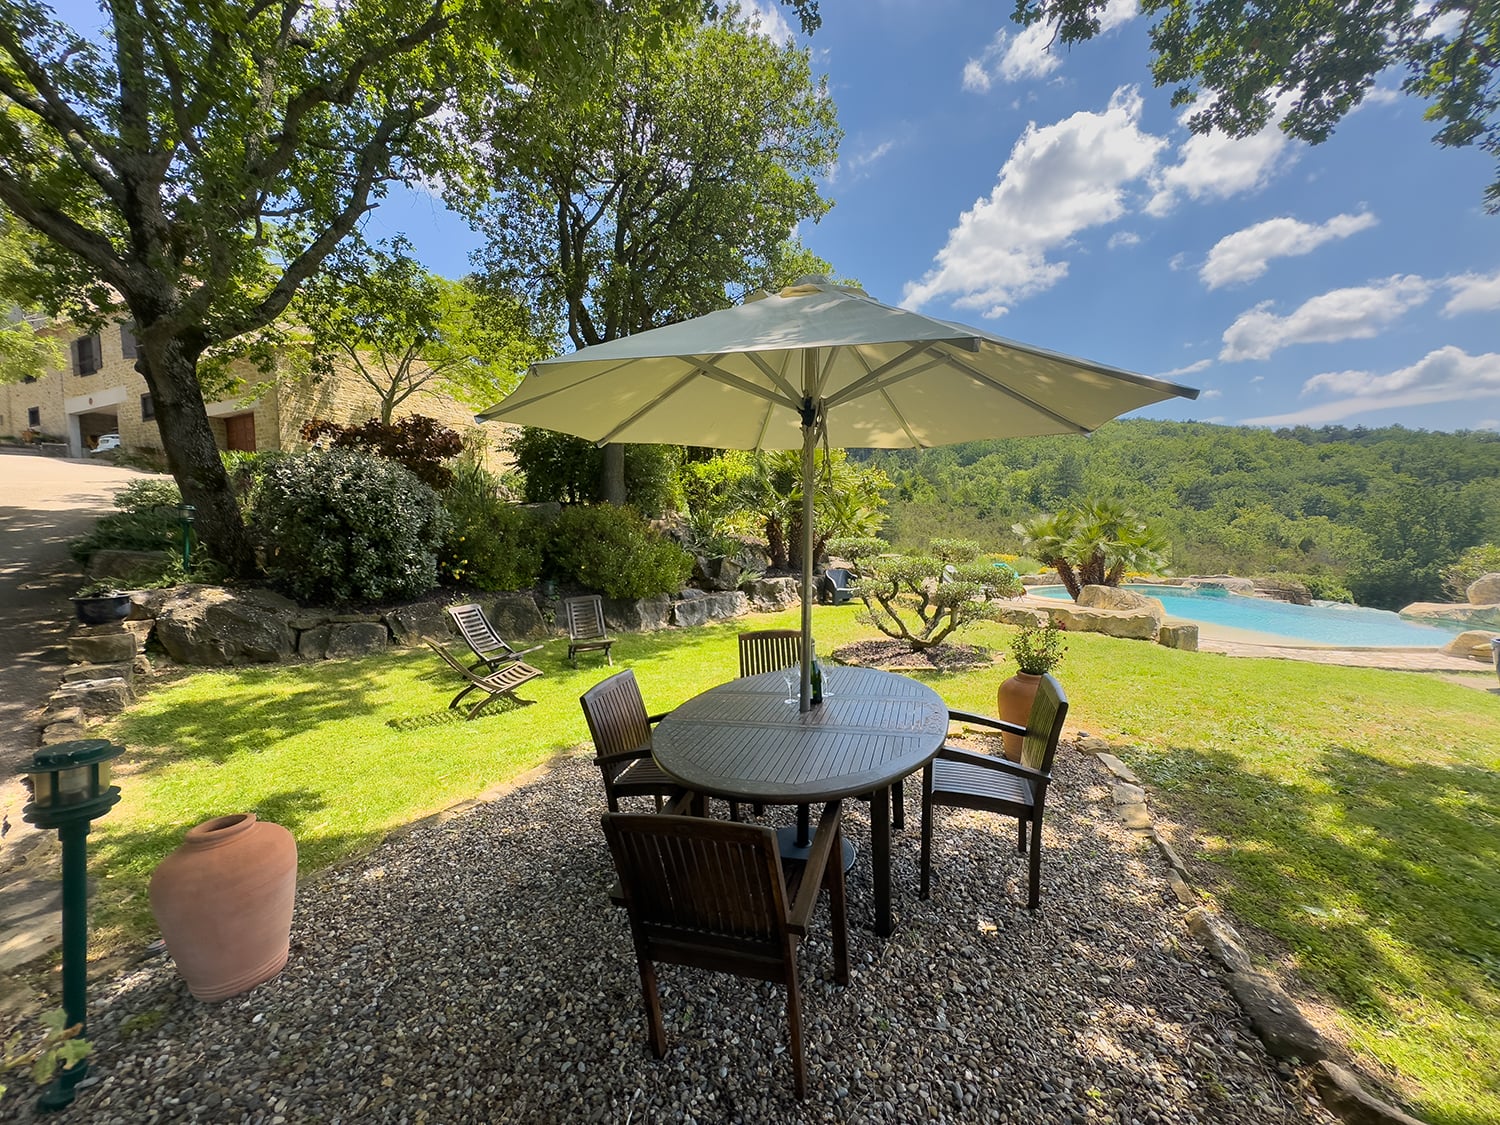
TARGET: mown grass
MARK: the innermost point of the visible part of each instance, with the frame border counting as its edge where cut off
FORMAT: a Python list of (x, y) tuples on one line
[(1351, 815)]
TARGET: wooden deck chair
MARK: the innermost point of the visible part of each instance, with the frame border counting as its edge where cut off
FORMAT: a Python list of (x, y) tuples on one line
[(489, 646), (713, 894), (586, 630), (502, 682)]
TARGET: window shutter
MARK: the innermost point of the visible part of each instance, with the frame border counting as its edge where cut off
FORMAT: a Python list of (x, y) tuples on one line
[(127, 341), (86, 355)]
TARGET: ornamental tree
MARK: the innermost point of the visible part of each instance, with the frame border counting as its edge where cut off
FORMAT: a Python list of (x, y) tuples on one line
[(916, 599), (1093, 543)]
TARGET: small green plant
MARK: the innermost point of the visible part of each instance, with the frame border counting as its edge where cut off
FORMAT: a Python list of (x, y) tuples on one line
[(60, 1047), (146, 521), (1038, 648), (99, 588), (613, 550), (490, 544)]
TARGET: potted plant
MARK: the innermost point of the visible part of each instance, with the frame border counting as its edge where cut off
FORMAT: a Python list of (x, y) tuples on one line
[(1038, 648), (100, 603)]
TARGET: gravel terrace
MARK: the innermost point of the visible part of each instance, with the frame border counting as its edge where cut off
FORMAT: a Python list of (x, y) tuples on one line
[(472, 971)]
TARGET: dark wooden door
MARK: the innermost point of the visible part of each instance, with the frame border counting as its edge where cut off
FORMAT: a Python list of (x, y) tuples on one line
[(239, 432)]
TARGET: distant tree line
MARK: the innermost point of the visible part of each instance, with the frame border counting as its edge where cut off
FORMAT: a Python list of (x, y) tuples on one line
[(1385, 511)]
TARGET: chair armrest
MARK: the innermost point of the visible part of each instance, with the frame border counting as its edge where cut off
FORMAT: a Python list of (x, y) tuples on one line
[(524, 651), (624, 755), (978, 720), (990, 762), (812, 871), (654, 719)]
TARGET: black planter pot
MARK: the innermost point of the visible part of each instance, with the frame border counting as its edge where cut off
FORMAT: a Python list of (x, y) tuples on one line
[(103, 609)]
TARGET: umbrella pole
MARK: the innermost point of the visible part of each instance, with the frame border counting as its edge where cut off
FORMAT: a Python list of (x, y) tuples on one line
[(809, 446)]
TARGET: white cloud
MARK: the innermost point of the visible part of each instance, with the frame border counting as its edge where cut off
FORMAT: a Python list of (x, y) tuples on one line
[(1258, 379), (1246, 254), (1123, 238), (1448, 374), (767, 13), (1190, 369), (1212, 392), (1032, 52), (1473, 292), (1178, 262), (1059, 180), (1216, 166), (1340, 314)]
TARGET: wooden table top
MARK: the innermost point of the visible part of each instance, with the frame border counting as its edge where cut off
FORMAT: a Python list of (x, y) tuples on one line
[(742, 740)]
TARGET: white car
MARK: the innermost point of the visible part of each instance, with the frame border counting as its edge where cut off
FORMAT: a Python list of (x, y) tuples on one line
[(107, 443)]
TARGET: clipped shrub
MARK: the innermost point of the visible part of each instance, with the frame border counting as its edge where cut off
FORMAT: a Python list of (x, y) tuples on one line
[(489, 544), (614, 551), (344, 526)]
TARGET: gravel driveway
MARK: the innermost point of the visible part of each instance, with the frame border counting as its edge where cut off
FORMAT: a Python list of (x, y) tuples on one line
[(472, 971)]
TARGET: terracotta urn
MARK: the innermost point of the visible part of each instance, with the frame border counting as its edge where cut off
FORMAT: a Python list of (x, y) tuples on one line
[(223, 901), (1013, 704)]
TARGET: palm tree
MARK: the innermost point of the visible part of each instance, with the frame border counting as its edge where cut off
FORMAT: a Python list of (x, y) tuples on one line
[(1094, 543)]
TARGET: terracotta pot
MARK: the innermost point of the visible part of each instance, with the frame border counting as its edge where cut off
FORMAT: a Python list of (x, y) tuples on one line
[(223, 901), (1013, 704)]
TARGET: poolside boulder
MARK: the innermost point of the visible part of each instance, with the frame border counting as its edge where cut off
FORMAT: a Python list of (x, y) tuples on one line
[(1484, 590)]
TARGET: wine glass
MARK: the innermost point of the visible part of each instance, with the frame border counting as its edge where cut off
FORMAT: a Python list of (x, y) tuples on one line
[(792, 677)]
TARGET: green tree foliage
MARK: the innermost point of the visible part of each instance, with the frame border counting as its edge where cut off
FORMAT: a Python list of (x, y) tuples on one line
[(657, 198), (1471, 565), (422, 445), (1228, 499), (913, 598), (489, 544), (342, 525), (400, 328), (1094, 543), (24, 352), (197, 163), (1243, 58), (612, 550), (567, 470)]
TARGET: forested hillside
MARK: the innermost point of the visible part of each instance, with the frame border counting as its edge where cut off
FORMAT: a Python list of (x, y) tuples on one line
[(1383, 510)]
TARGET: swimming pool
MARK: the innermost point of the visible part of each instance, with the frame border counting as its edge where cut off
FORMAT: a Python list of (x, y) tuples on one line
[(1340, 626)]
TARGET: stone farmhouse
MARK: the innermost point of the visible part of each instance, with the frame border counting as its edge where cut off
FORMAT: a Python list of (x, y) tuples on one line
[(99, 391)]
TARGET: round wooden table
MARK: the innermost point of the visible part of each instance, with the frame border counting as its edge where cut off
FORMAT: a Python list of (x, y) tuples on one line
[(742, 741)]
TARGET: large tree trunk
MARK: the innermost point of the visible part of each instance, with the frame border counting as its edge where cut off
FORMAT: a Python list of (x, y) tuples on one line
[(614, 473), (171, 371)]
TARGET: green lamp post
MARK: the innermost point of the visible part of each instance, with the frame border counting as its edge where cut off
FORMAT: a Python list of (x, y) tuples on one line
[(69, 788), (186, 514)]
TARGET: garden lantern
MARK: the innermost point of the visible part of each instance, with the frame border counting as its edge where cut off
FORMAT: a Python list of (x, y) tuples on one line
[(70, 787), (186, 514)]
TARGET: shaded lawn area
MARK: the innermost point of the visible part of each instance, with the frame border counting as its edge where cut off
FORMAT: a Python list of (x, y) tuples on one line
[(1351, 814)]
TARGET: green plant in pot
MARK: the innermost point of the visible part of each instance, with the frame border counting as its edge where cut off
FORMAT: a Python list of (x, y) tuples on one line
[(1038, 648), (101, 602)]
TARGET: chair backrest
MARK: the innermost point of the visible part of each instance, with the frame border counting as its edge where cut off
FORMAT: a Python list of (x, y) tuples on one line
[(453, 661), (840, 575), (699, 891), (476, 629), (616, 716), (1045, 725), (769, 649), (585, 616)]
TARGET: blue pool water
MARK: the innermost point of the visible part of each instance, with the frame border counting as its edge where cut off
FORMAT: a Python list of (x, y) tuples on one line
[(1340, 626)]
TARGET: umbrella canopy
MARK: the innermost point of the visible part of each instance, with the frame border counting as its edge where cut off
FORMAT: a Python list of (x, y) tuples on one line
[(820, 361)]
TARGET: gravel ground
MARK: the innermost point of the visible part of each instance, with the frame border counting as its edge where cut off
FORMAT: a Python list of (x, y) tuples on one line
[(473, 971)]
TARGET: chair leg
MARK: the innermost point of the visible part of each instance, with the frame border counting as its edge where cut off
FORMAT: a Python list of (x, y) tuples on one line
[(656, 1035), (1034, 876), (734, 810), (1021, 835), (898, 804), (925, 887), (759, 808), (838, 909), (794, 1022)]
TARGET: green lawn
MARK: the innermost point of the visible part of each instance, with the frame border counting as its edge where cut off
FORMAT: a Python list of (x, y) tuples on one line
[(1352, 815)]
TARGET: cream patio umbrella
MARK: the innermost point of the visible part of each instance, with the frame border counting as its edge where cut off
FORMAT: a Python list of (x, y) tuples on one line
[(819, 361)]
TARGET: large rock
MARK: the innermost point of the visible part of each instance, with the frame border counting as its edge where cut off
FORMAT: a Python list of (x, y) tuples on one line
[(412, 624), (1228, 582), (709, 607), (516, 616), (346, 638), (638, 615), (1484, 590), (1112, 597), (92, 697), (1472, 643), (1132, 624), (1294, 592), (217, 626), (1454, 615), (717, 573), (102, 644), (1276, 1018), (1178, 634), (769, 594), (1012, 613)]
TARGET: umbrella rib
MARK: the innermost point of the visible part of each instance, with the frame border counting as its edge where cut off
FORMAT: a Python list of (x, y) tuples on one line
[(980, 377), (650, 406), (775, 376), (862, 386), (713, 371)]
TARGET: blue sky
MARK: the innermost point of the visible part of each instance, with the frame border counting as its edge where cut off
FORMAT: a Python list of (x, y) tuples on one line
[(1055, 197)]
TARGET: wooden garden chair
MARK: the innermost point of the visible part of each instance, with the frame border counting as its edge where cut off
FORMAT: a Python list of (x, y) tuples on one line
[(489, 646), (495, 685), (621, 730), (586, 629), (713, 894), (965, 779)]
